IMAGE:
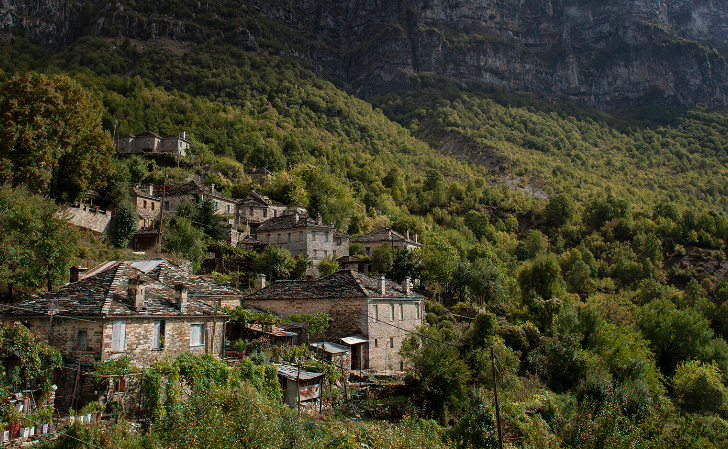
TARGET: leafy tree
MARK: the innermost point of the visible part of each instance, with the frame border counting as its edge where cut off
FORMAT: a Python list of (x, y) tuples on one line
[(382, 259), (276, 263), (328, 266), (179, 236), (301, 265), (123, 224), (439, 368), (560, 209), (215, 226), (37, 360), (699, 387), (51, 137), (406, 263), (36, 245), (439, 260), (542, 277)]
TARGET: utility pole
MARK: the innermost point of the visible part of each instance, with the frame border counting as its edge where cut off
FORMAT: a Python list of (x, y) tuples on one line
[(214, 325), (497, 407)]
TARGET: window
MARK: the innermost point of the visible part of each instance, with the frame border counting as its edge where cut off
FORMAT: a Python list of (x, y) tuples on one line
[(152, 205), (118, 338), (227, 208), (158, 335), (217, 205), (391, 312), (265, 213), (376, 343), (334, 252), (368, 250), (300, 236), (145, 204), (375, 311), (417, 311), (279, 238), (326, 236), (197, 334), (289, 237), (250, 211), (391, 342), (275, 213), (267, 238), (313, 236), (82, 340), (326, 253), (166, 205), (315, 253), (401, 312)]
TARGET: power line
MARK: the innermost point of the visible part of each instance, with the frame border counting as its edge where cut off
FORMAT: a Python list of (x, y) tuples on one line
[(78, 439)]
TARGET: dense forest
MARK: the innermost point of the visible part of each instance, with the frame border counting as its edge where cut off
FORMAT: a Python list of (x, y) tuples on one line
[(603, 297)]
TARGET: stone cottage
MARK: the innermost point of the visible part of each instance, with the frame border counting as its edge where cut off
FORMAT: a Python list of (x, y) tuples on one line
[(386, 237), (255, 208), (370, 316), (149, 142), (142, 310), (175, 195), (301, 234)]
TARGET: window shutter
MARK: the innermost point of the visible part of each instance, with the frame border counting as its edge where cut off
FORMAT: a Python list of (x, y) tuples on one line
[(118, 335)]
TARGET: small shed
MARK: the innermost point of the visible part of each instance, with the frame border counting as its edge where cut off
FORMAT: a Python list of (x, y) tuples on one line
[(339, 355), (356, 343), (299, 385)]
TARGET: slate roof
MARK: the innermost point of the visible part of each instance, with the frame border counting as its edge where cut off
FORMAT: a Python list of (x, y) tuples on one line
[(143, 194), (105, 294), (383, 235), (342, 284), (195, 187), (255, 197), (289, 221), (171, 275)]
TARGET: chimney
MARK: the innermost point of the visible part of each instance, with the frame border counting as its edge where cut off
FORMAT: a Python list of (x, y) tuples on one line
[(382, 284), (183, 134), (406, 234), (150, 189), (415, 237), (77, 273), (260, 282), (295, 220), (212, 188), (406, 286), (137, 293), (180, 295), (319, 220)]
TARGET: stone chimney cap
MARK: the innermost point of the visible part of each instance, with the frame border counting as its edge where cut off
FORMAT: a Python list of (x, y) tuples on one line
[(180, 287)]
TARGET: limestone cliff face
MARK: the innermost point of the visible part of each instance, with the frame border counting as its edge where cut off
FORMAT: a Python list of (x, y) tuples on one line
[(605, 53)]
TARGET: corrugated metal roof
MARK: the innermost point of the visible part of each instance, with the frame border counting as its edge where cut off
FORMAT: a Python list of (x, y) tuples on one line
[(331, 348), (146, 265), (354, 340), (275, 330), (291, 372)]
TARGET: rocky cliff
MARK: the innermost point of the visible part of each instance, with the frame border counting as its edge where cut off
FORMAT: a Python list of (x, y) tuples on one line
[(606, 54)]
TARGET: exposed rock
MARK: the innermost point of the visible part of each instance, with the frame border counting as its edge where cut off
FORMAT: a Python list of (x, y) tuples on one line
[(606, 54)]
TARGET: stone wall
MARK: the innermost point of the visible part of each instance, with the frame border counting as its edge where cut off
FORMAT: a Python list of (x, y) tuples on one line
[(139, 335), (303, 241), (87, 217), (349, 314), (148, 210), (387, 334)]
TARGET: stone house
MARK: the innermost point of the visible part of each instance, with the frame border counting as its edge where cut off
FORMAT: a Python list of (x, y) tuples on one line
[(149, 142), (175, 195), (301, 234), (142, 310), (386, 236), (370, 316), (259, 174), (147, 205), (255, 208)]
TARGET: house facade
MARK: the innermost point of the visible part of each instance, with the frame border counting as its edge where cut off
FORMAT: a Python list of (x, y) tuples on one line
[(147, 205), (301, 234), (371, 316), (149, 142), (255, 208), (175, 195), (141, 310), (386, 237)]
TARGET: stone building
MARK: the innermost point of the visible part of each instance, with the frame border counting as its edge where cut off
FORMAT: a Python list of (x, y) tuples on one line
[(371, 316), (301, 234), (175, 195), (149, 142), (255, 208), (147, 205), (142, 310), (385, 236)]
